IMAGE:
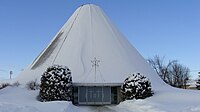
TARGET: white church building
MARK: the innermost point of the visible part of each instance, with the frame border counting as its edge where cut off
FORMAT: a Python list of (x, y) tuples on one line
[(97, 53)]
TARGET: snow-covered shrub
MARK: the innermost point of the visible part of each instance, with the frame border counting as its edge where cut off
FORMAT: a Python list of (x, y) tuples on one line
[(4, 85), (15, 84), (136, 86), (198, 83), (33, 85), (56, 84)]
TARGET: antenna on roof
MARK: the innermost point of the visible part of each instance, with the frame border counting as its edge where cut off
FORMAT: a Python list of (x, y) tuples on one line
[(95, 64)]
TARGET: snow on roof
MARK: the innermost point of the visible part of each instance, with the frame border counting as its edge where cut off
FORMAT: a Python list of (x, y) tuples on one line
[(94, 49)]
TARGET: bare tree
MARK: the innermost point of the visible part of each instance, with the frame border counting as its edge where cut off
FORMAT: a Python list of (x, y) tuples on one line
[(180, 75), (186, 76), (172, 73), (162, 70), (157, 64)]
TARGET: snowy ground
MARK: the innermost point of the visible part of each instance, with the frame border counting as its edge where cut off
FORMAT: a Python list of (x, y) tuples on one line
[(18, 99)]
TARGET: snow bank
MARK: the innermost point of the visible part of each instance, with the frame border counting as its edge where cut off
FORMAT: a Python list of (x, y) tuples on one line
[(18, 99), (6, 107)]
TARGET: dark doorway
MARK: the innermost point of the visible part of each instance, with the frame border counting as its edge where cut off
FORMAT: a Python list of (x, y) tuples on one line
[(96, 95)]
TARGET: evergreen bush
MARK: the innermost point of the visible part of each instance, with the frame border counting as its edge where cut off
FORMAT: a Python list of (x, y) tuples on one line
[(16, 84), (56, 84), (136, 86), (4, 85), (33, 85), (198, 83)]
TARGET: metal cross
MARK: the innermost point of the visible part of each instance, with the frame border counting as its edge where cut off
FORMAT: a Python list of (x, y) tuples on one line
[(95, 64)]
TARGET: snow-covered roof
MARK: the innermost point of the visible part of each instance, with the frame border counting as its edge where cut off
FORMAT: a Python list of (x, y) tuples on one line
[(94, 49)]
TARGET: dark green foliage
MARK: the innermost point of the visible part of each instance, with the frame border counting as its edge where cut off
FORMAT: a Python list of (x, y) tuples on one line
[(4, 85), (198, 83), (136, 86), (56, 84)]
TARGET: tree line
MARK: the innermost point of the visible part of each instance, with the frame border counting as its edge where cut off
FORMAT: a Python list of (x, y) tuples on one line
[(172, 72)]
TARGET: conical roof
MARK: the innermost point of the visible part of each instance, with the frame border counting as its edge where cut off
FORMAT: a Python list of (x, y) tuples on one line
[(93, 48)]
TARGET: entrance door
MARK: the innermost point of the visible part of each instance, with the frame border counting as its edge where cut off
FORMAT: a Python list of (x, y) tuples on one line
[(94, 95)]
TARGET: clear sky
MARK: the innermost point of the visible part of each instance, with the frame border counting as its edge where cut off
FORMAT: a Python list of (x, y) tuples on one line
[(169, 28)]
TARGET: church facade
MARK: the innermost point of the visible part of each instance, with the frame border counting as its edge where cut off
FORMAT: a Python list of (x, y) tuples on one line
[(96, 94)]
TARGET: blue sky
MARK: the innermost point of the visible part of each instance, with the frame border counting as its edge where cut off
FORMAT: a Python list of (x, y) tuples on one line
[(169, 28)]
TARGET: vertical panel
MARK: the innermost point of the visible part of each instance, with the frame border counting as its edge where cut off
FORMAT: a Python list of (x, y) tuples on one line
[(114, 95), (98, 94), (82, 94), (106, 94), (90, 91), (75, 95), (94, 94)]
